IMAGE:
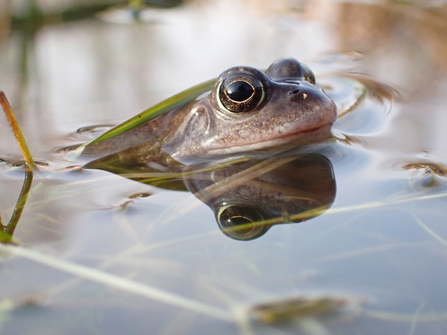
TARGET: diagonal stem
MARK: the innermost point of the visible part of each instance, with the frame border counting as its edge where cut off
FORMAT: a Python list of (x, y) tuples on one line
[(9, 113), (18, 209)]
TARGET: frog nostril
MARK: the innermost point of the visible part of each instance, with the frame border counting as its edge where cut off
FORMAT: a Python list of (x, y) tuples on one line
[(294, 92)]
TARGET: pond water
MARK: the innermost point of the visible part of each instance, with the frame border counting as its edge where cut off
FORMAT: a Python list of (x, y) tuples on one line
[(97, 253)]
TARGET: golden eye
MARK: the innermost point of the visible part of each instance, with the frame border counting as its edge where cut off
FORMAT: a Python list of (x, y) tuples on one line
[(241, 222), (241, 92)]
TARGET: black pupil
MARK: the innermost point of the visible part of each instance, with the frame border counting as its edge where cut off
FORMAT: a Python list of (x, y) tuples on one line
[(239, 91), (237, 221)]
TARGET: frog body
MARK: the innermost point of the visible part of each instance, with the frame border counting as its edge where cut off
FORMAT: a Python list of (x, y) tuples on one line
[(247, 110)]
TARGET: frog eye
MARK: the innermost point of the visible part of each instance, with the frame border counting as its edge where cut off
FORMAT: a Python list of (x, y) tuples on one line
[(240, 222), (290, 70), (308, 74), (241, 93)]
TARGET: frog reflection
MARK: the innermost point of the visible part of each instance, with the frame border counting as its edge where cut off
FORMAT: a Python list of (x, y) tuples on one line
[(250, 197)]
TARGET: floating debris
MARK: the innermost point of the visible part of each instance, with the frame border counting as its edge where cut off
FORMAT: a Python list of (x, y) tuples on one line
[(292, 309), (429, 168)]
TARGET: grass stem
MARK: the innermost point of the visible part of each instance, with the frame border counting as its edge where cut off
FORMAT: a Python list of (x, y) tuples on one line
[(9, 113)]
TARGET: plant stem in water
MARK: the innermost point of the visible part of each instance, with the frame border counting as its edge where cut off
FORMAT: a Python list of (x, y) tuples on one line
[(9, 113)]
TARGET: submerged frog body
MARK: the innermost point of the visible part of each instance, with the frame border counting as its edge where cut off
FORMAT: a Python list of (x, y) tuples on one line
[(246, 110)]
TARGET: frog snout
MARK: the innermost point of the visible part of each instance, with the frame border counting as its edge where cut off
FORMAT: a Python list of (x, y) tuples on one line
[(294, 91), (300, 95)]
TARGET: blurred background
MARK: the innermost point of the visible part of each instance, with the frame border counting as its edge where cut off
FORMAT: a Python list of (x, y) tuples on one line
[(66, 64)]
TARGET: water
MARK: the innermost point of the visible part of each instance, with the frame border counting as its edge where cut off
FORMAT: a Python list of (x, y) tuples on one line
[(100, 253)]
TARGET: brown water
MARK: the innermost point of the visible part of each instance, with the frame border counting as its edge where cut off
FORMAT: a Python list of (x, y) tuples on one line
[(102, 254)]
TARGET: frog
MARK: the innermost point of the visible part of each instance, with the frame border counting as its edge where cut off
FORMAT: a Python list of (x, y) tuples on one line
[(247, 110)]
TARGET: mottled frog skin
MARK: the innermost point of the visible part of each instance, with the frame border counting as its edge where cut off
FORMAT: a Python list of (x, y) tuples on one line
[(247, 110)]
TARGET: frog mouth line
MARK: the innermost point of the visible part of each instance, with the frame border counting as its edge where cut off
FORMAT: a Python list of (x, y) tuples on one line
[(300, 133), (297, 138)]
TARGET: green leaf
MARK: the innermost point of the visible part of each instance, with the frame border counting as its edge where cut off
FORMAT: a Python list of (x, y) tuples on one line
[(151, 113)]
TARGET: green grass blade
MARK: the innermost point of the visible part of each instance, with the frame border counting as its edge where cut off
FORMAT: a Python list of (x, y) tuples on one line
[(155, 111), (120, 283), (15, 127)]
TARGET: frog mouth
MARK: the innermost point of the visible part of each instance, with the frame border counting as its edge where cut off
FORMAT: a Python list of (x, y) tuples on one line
[(307, 136), (310, 130), (297, 138)]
